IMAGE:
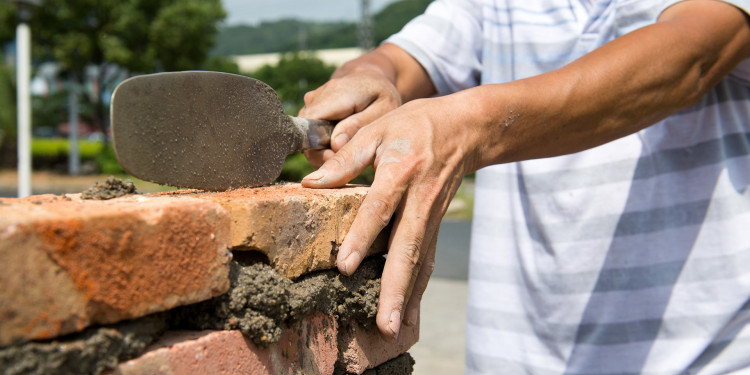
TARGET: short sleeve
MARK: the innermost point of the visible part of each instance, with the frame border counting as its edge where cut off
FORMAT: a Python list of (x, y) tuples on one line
[(447, 41)]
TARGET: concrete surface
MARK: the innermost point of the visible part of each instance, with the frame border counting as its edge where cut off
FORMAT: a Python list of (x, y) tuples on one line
[(440, 350)]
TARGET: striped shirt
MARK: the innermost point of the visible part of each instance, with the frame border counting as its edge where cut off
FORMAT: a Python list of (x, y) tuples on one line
[(629, 258)]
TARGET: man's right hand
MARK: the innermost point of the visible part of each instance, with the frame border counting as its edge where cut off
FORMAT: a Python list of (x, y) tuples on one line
[(355, 99), (363, 90)]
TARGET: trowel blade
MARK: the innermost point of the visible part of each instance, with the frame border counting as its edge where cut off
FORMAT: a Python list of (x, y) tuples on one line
[(203, 130)]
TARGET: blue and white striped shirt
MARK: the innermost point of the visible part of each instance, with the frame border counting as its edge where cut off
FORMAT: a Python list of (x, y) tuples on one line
[(629, 258)]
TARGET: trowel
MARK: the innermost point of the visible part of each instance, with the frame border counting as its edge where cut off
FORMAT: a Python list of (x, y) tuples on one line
[(206, 130)]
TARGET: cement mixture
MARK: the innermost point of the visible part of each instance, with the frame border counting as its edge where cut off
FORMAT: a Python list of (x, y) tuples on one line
[(260, 300), (111, 188), (401, 365), (89, 352)]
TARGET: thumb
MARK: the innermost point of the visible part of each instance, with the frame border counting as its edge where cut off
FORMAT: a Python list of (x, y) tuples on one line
[(345, 165)]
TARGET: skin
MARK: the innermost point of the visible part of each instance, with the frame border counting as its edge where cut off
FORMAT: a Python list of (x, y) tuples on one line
[(421, 148)]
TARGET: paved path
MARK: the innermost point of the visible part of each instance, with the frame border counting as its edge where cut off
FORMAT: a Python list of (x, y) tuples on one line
[(440, 350)]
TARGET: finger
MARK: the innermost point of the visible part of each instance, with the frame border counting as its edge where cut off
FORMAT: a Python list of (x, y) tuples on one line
[(420, 285), (318, 157), (373, 215), (402, 265), (332, 102), (348, 127), (303, 111), (346, 164)]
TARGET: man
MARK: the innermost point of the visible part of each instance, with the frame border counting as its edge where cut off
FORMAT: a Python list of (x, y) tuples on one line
[(612, 205)]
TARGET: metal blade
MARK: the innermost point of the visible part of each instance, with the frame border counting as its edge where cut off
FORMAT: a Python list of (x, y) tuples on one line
[(204, 130)]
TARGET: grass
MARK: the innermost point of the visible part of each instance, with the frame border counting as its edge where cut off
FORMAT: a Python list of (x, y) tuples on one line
[(51, 147)]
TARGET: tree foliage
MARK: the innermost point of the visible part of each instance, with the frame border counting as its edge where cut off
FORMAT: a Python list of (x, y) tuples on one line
[(285, 35), (141, 36), (293, 76), (7, 101), (394, 16)]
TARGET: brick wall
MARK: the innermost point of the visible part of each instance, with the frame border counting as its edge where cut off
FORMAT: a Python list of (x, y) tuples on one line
[(237, 282)]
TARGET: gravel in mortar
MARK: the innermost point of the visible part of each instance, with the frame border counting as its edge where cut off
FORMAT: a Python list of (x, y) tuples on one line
[(260, 300), (401, 365), (89, 352), (111, 188)]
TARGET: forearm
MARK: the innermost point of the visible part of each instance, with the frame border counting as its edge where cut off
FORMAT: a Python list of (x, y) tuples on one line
[(616, 90)]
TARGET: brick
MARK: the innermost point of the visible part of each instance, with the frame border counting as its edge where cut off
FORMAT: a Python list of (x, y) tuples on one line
[(297, 228), (79, 262), (363, 348), (307, 347)]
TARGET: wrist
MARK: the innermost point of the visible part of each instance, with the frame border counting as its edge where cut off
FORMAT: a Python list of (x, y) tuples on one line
[(372, 63)]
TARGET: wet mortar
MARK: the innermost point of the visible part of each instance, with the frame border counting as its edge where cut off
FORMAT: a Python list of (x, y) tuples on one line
[(111, 188), (91, 351), (401, 365), (259, 302)]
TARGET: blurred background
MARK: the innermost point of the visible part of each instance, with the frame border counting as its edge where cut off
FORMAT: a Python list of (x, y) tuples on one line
[(82, 49)]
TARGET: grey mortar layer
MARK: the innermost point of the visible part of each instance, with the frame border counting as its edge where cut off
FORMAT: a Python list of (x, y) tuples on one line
[(260, 300), (258, 303), (89, 352), (401, 365), (111, 188)]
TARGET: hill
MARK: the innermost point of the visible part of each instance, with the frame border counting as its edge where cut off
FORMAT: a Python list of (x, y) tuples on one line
[(291, 34)]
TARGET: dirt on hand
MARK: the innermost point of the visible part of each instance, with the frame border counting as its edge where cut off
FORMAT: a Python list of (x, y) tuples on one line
[(111, 188)]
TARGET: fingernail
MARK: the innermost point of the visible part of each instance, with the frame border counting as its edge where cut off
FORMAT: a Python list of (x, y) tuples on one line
[(341, 140), (350, 263), (395, 322), (315, 176)]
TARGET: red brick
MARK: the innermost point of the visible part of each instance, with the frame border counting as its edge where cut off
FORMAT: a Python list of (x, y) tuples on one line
[(74, 263), (363, 349), (308, 347), (298, 229)]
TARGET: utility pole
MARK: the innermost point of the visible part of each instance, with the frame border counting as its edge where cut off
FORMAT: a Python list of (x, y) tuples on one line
[(23, 93), (365, 27), (74, 157)]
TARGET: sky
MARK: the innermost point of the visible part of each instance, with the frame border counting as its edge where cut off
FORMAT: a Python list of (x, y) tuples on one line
[(254, 11)]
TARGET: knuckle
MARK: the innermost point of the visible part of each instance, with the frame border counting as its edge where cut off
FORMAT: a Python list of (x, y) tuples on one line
[(349, 127), (309, 97), (411, 254), (336, 162), (381, 210)]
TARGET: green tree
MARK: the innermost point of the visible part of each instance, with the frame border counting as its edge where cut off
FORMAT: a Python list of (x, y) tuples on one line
[(293, 76), (7, 101), (7, 22), (141, 36), (394, 16), (284, 35)]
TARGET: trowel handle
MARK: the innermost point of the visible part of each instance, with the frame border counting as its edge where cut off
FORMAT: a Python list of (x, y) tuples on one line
[(317, 132)]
